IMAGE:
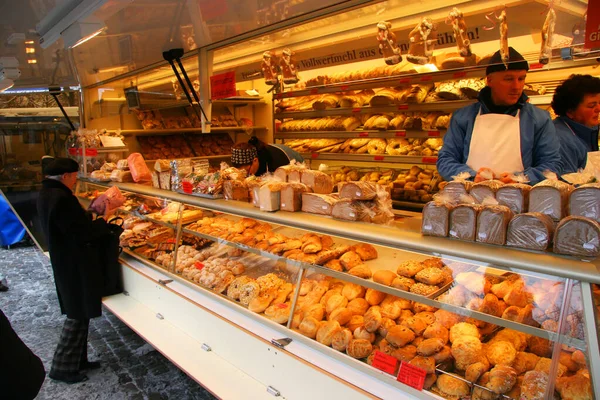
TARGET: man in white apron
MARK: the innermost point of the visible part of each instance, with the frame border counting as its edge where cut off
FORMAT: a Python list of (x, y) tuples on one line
[(502, 132), (577, 103)]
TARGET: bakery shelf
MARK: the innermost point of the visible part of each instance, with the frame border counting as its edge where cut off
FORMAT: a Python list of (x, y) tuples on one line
[(371, 158), (146, 218), (408, 205), (436, 106), (236, 129), (218, 157), (239, 101), (156, 132), (359, 134)]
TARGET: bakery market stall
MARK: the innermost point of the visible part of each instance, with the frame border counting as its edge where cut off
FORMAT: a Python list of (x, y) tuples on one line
[(359, 310)]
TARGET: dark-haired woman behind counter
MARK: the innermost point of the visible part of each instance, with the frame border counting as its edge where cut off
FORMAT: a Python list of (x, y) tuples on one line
[(577, 103), (257, 157)]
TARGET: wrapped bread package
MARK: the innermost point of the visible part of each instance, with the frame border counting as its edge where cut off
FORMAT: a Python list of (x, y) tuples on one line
[(121, 176), (492, 223), (352, 210), (269, 197), (485, 189), (358, 190), (577, 236), (531, 231), (316, 203), (585, 201), (139, 169), (291, 196), (236, 190), (436, 216), (318, 181), (123, 165), (514, 196), (463, 222), (162, 166), (550, 197)]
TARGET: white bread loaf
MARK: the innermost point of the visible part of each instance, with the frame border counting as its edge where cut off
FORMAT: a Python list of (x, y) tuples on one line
[(318, 181), (291, 196), (315, 203)]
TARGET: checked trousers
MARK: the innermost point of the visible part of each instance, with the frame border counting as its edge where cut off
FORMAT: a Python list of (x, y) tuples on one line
[(71, 351)]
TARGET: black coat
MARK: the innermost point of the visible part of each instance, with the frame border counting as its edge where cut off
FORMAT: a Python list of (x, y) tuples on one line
[(73, 242)]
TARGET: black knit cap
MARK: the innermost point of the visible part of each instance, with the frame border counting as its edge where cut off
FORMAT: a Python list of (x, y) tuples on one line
[(60, 166), (515, 62)]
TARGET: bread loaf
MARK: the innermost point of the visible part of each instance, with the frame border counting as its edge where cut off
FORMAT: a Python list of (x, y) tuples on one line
[(351, 210), (463, 222), (318, 181), (236, 190), (492, 223), (484, 190), (162, 166), (550, 197), (155, 180), (532, 231), (358, 190), (577, 236), (515, 196), (318, 203), (585, 201), (268, 199), (435, 219), (291, 196), (119, 175)]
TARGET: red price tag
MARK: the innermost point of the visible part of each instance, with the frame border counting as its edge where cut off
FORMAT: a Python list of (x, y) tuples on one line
[(403, 107), (91, 152), (401, 133), (171, 240), (314, 91), (74, 151), (198, 265), (426, 78), (536, 66), (187, 187), (429, 160), (281, 305), (279, 96), (344, 88), (385, 363), (314, 155), (433, 133), (363, 134), (411, 375), (356, 110), (459, 74), (222, 85), (378, 158), (404, 80)]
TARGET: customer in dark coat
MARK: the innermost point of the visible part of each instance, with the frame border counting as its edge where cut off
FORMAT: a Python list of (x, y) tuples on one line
[(21, 371), (72, 242)]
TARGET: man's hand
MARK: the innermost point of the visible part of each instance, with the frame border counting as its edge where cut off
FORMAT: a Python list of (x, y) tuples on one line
[(484, 174)]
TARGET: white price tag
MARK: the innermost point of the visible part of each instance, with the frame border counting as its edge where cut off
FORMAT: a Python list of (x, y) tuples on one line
[(111, 141), (589, 246), (352, 215), (358, 194), (324, 207), (482, 235), (282, 205), (427, 227), (453, 232)]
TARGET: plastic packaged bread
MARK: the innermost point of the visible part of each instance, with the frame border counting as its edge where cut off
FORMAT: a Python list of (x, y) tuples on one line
[(436, 217), (236, 190), (318, 181), (290, 172), (121, 176), (485, 189), (358, 190), (316, 203), (139, 169), (269, 197), (514, 196), (291, 196), (533, 231), (585, 201), (492, 223), (352, 210), (577, 236), (550, 197), (463, 221)]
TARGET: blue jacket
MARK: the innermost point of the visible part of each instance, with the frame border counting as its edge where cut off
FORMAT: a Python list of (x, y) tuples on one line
[(574, 148), (539, 143)]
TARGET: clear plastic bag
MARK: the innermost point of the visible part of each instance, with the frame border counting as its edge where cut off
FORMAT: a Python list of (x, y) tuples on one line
[(550, 197), (436, 215), (481, 190), (463, 222), (179, 170), (515, 196), (315, 203), (139, 169), (291, 196), (492, 223), (235, 190), (533, 231), (358, 190), (585, 201), (577, 236)]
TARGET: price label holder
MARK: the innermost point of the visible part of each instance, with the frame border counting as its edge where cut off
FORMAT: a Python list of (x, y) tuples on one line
[(433, 133), (411, 375), (344, 88), (385, 363), (363, 134), (403, 107), (458, 75), (356, 110), (314, 91), (404, 81), (378, 158), (314, 155), (429, 160), (426, 78), (401, 133), (536, 66)]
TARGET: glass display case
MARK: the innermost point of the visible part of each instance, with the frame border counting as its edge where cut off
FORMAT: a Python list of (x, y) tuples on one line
[(499, 323)]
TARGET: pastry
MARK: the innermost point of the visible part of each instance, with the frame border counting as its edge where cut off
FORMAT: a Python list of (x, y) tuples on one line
[(501, 353), (372, 319), (426, 363), (474, 371), (501, 379), (352, 291), (430, 276), (385, 277), (340, 339), (309, 327), (524, 362), (279, 312), (327, 331), (423, 289), (361, 271), (399, 336), (452, 386), (574, 387), (358, 306), (436, 330), (409, 268), (362, 333), (443, 355), (350, 260), (359, 348), (355, 322), (365, 251), (316, 311), (405, 353), (385, 326), (402, 283), (446, 318), (335, 301), (417, 325), (466, 350), (374, 297), (428, 347)]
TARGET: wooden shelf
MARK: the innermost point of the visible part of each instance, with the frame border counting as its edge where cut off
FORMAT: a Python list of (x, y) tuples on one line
[(359, 134), (240, 101), (432, 160), (157, 132)]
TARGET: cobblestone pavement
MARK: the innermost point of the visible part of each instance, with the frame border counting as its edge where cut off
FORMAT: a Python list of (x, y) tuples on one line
[(131, 369)]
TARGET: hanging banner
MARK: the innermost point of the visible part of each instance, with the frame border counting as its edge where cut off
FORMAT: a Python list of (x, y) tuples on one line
[(592, 25), (222, 85)]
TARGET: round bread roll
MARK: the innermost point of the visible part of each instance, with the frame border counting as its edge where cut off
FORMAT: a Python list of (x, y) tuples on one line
[(373, 318), (433, 261), (426, 363), (452, 386), (405, 353), (518, 339), (374, 297), (577, 387), (436, 330), (415, 324), (358, 306), (362, 333), (279, 313), (328, 295), (501, 353), (359, 348), (501, 379), (309, 327), (355, 322), (350, 259), (340, 339), (534, 385), (385, 325), (430, 379), (463, 329), (429, 347), (341, 315), (352, 291), (427, 316), (474, 371), (361, 271), (365, 251), (443, 355), (317, 311), (402, 283), (399, 336), (466, 350), (334, 302), (409, 269), (430, 276), (297, 319), (385, 277), (326, 332), (524, 362)]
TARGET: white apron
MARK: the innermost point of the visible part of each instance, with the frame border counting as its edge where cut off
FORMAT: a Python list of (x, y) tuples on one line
[(496, 143)]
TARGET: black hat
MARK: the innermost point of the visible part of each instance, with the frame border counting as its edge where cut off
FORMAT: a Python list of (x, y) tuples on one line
[(515, 62), (60, 166)]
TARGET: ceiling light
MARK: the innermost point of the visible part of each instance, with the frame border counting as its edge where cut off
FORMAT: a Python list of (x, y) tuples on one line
[(6, 84), (29, 42), (34, 61), (29, 50), (81, 31)]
